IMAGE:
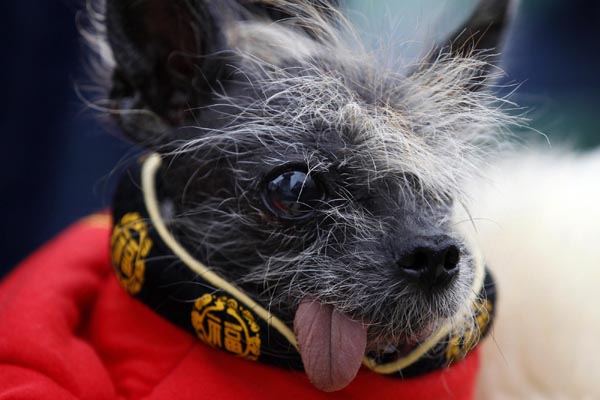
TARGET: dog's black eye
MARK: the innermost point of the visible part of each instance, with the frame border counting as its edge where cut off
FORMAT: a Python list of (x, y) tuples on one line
[(292, 194)]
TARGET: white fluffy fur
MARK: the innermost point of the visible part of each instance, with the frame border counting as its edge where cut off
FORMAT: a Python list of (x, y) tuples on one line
[(538, 221)]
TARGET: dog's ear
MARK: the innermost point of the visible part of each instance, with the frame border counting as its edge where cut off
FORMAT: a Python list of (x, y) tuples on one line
[(172, 55), (482, 35), (168, 54)]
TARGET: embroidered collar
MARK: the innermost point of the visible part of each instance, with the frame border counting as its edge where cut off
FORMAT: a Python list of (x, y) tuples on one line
[(154, 268)]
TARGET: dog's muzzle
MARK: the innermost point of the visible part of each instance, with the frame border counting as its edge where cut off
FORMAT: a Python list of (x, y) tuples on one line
[(154, 268)]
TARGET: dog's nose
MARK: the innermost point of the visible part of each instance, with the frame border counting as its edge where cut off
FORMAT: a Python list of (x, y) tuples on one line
[(431, 261)]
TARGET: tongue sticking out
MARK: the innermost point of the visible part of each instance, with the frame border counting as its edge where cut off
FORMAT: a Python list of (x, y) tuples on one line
[(332, 345)]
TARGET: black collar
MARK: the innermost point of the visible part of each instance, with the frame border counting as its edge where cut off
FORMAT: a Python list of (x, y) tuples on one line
[(154, 268)]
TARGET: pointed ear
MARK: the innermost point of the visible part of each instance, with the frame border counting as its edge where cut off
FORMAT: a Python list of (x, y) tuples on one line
[(166, 54), (171, 56), (482, 35)]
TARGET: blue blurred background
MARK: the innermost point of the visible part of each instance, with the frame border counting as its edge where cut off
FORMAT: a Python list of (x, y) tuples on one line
[(57, 156)]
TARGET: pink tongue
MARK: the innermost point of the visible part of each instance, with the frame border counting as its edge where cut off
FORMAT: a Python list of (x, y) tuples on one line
[(332, 345)]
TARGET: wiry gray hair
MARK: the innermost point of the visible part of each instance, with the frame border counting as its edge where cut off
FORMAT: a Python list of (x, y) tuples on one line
[(288, 84)]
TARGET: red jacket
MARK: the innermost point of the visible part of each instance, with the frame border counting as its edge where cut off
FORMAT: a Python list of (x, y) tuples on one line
[(69, 331)]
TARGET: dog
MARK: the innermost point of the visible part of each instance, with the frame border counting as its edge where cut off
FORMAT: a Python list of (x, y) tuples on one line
[(332, 189)]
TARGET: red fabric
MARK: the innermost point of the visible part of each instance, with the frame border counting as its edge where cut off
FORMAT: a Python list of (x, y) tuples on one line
[(68, 331)]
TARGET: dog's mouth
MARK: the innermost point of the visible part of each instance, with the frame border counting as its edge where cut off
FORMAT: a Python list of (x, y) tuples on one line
[(333, 345)]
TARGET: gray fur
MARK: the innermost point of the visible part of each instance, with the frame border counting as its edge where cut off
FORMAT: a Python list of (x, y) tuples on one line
[(394, 149)]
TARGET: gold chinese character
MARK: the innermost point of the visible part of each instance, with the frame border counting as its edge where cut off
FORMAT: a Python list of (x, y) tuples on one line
[(235, 327), (233, 338), (214, 331)]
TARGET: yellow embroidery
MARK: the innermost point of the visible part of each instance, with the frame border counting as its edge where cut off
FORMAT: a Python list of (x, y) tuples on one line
[(222, 323), (213, 337), (462, 343), (130, 246)]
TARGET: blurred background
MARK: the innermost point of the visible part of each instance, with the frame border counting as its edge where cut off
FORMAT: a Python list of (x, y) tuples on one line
[(57, 156)]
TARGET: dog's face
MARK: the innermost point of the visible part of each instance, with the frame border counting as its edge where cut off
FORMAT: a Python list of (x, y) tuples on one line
[(301, 171)]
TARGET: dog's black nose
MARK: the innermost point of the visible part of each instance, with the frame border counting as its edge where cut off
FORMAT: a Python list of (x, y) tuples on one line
[(431, 261)]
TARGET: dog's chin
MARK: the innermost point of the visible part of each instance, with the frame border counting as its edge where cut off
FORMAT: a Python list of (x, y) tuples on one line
[(384, 346), (383, 341), (429, 312)]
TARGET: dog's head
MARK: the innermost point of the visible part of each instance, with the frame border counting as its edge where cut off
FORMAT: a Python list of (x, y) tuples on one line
[(304, 172)]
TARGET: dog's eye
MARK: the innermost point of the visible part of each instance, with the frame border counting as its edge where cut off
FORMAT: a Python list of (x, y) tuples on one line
[(292, 194)]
